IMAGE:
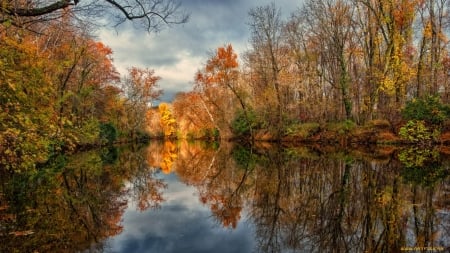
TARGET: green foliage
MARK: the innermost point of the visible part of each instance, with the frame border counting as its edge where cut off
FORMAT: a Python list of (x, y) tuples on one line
[(429, 109), (417, 157), (142, 136), (244, 157), (244, 122), (416, 131), (26, 112), (109, 155), (342, 127), (89, 132), (348, 125), (108, 132), (211, 133), (422, 166)]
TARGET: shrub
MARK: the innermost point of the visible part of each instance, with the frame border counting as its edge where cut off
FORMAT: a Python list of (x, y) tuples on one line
[(343, 127), (244, 123), (108, 132), (429, 109), (416, 131)]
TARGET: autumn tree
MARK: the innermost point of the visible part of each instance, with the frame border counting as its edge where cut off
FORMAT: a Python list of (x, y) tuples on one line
[(191, 116), (307, 100), (387, 52), (81, 68), (27, 108), (140, 89), (432, 48), (167, 120), (215, 100), (330, 22), (264, 60), (221, 72)]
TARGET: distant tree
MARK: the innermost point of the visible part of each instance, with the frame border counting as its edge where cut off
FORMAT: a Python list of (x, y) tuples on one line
[(167, 121), (140, 88)]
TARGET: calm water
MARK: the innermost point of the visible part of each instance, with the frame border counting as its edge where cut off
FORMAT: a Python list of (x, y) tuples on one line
[(200, 197)]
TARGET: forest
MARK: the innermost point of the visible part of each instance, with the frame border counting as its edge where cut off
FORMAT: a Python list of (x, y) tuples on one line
[(333, 68), (59, 89), (358, 67)]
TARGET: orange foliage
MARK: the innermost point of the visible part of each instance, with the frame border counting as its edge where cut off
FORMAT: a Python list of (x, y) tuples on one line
[(220, 69), (145, 81)]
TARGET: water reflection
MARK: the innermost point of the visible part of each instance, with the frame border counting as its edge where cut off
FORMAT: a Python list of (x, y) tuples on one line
[(74, 203), (198, 197)]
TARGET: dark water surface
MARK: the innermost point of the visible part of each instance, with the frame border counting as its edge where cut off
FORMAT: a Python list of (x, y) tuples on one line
[(200, 197)]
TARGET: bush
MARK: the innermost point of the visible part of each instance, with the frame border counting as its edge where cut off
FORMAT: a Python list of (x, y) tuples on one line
[(108, 132), (416, 131), (429, 109), (342, 128), (244, 123)]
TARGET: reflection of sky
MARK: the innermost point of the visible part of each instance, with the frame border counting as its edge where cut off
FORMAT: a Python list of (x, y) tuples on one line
[(182, 224)]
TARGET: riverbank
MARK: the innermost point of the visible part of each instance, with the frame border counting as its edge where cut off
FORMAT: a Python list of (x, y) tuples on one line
[(348, 133)]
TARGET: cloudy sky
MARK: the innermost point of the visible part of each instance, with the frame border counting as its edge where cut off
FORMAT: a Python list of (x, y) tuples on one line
[(182, 224), (177, 52)]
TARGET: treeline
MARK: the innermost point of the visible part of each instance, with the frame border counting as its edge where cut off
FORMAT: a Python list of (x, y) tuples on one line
[(330, 61), (59, 92)]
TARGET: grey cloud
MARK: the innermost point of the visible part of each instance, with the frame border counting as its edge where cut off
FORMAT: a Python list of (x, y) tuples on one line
[(213, 23), (180, 227), (179, 233)]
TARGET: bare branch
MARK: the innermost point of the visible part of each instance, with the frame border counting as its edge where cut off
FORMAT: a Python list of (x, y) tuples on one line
[(151, 15), (38, 11)]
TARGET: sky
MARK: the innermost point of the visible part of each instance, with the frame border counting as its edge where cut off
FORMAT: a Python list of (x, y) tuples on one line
[(178, 51), (182, 224)]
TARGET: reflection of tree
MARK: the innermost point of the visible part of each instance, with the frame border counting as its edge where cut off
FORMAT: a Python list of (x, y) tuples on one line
[(423, 168), (169, 155), (72, 203), (220, 185), (302, 202), (69, 205), (145, 187)]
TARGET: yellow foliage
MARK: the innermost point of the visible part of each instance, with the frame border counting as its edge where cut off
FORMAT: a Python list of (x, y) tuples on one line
[(168, 157), (167, 121)]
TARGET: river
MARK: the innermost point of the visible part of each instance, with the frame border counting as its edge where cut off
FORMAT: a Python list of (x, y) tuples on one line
[(210, 197)]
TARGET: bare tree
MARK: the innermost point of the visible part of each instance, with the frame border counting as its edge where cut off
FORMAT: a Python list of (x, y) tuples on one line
[(151, 15), (330, 22), (265, 58)]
